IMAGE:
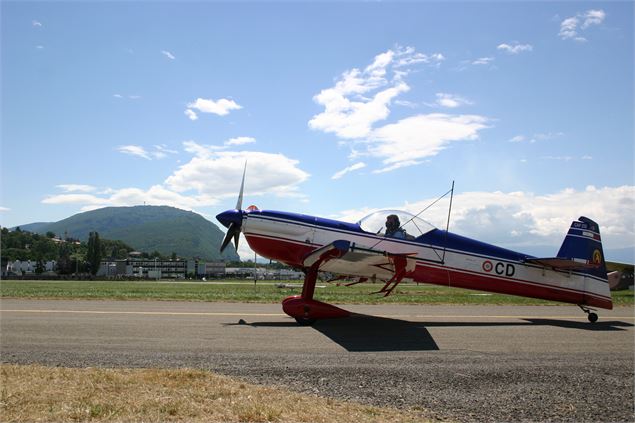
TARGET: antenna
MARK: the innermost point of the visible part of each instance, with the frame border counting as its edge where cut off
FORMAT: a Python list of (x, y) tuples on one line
[(447, 226)]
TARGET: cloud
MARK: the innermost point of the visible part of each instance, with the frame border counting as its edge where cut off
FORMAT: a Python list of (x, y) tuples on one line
[(451, 100), (514, 48), (569, 26), (540, 136), (217, 173), (360, 99), (483, 61), (155, 195), (130, 97), (349, 111), (4, 209), (522, 220), (593, 17), (219, 107), (191, 114), (518, 138), (421, 136), (348, 169), (159, 152), (208, 178), (76, 187), (168, 54), (36, 23), (134, 150), (240, 141)]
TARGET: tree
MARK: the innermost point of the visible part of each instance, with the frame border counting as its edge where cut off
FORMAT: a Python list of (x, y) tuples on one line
[(64, 265), (93, 256), (50, 234)]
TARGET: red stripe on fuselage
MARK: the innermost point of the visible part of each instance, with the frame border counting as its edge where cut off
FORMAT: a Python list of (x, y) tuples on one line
[(293, 253)]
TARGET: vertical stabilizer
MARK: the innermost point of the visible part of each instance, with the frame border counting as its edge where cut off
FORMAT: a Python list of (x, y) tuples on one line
[(583, 244)]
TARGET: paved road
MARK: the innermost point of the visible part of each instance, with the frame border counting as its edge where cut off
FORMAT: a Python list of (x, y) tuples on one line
[(484, 363)]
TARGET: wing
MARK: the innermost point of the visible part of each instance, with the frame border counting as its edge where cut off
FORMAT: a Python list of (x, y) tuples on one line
[(346, 258)]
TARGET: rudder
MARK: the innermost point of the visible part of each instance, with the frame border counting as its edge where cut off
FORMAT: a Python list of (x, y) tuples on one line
[(583, 244)]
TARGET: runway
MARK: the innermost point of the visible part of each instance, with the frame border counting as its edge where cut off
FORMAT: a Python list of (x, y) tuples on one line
[(465, 363)]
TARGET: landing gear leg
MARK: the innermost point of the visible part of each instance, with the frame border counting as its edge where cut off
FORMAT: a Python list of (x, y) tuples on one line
[(591, 315), (304, 309)]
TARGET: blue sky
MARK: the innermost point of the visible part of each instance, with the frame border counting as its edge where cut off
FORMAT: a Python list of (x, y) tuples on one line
[(339, 109)]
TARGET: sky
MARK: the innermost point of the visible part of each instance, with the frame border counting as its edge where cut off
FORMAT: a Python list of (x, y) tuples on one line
[(338, 108)]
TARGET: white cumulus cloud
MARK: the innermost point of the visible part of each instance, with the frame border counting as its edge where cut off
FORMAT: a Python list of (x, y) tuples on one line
[(417, 137), (521, 220), (361, 99), (220, 107), (218, 173)]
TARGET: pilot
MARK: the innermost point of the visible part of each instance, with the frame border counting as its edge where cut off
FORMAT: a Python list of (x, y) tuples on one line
[(393, 227)]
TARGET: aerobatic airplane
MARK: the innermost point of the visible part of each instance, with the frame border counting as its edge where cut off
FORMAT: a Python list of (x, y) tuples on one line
[(396, 246)]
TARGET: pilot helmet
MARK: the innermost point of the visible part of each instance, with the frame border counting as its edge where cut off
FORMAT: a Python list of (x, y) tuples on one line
[(392, 222)]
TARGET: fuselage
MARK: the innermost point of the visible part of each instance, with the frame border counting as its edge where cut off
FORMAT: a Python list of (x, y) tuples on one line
[(441, 257)]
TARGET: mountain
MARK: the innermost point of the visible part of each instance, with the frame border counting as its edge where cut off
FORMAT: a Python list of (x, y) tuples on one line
[(146, 228), (33, 227)]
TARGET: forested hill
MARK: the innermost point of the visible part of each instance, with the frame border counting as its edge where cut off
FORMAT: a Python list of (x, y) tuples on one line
[(146, 228)]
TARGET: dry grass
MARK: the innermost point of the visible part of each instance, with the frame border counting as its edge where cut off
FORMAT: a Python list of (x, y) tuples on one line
[(47, 394)]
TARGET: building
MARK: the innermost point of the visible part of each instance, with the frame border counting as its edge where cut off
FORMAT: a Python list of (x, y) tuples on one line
[(144, 268)]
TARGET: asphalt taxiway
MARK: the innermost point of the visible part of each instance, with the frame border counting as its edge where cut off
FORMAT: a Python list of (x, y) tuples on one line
[(485, 363)]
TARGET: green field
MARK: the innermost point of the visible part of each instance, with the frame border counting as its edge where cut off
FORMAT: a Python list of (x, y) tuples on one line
[(263, 292)]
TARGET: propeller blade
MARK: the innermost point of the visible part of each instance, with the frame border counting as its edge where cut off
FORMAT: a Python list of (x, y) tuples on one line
[(231, 232), (239, 203), (236, 238)]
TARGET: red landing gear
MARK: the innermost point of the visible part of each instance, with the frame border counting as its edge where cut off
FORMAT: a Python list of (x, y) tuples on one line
[(303, 308)]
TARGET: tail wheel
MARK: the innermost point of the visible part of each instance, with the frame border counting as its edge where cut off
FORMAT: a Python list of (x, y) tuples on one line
[(590, 314)]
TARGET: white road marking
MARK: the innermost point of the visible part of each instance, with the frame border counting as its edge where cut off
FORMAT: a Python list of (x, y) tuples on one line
[(232, 314)]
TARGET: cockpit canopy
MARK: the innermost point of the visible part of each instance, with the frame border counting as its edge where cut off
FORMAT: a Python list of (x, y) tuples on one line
[(376, 223)]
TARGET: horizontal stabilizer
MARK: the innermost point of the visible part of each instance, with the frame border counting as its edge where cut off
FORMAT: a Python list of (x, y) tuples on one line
[(562, 263)]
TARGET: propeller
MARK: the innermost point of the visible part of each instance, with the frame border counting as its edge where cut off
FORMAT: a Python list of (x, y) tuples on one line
[(233, 230)]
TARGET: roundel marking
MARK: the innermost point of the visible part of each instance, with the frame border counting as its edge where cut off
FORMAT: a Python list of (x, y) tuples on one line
[(487, 266)]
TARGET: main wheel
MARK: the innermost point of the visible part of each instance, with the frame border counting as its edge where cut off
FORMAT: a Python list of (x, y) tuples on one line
[(304, 321), (593, 317)]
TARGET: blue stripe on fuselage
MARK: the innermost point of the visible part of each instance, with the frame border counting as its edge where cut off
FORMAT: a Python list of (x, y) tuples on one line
[(436, 238)]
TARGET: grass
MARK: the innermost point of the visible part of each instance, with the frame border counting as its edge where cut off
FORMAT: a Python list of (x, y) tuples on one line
[(52, 394), (263, 292)]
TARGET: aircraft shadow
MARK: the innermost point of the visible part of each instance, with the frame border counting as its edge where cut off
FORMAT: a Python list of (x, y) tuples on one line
[(614, 325), (363, 333)]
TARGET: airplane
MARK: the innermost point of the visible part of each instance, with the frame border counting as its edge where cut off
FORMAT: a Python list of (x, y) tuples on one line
[(417, 252)]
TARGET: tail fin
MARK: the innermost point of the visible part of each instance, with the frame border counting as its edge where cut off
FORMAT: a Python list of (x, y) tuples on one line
[(583, 245)]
